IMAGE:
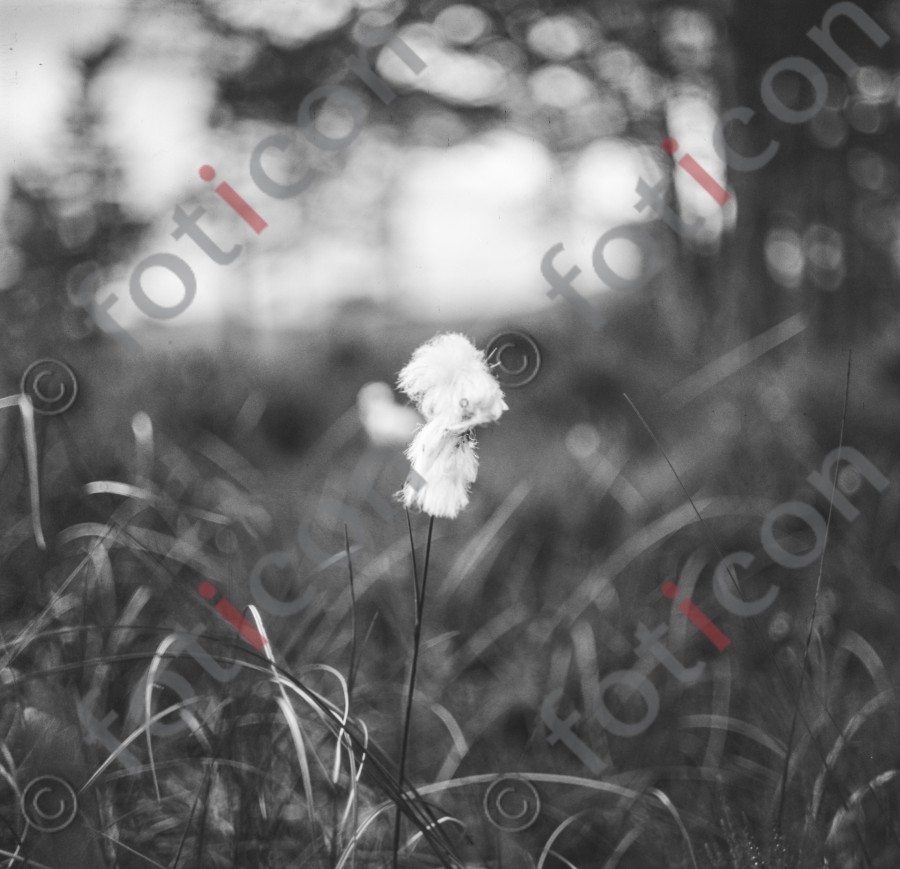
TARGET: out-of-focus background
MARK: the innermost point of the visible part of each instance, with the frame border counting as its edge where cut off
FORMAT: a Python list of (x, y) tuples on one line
[(524, 126), (433, 176)]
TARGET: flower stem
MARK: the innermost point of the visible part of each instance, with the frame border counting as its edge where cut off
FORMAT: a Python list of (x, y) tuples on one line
[(417, 635)]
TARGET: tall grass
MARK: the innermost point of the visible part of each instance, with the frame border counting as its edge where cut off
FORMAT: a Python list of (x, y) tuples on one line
[(783, 755)]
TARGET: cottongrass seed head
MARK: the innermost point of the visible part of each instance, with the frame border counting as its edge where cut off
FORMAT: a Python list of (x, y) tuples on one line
[(449, 380)]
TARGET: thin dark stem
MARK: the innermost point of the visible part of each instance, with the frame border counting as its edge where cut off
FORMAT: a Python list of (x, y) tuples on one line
[(812, 615), (809, 635), (417, 636), (798, 714), (412, 550), (351, 678)]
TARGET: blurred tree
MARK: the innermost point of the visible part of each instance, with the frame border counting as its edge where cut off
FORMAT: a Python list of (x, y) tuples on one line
[(819, 222), (60, 231), (816, 226)]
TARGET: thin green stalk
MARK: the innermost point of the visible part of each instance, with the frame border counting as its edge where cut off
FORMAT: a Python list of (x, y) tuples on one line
[(417, 635)]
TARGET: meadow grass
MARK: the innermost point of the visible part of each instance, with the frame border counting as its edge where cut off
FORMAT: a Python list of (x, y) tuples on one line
[(784, 755)]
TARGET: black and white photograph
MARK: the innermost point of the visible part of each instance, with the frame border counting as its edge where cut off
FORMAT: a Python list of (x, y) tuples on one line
[(450, 434)]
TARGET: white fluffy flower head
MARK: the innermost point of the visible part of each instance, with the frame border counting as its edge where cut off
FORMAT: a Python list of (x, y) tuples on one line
[(452, 385), (448, 378)]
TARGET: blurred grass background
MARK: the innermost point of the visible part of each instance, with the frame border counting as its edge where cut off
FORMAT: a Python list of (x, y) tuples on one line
[(270, 453)]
